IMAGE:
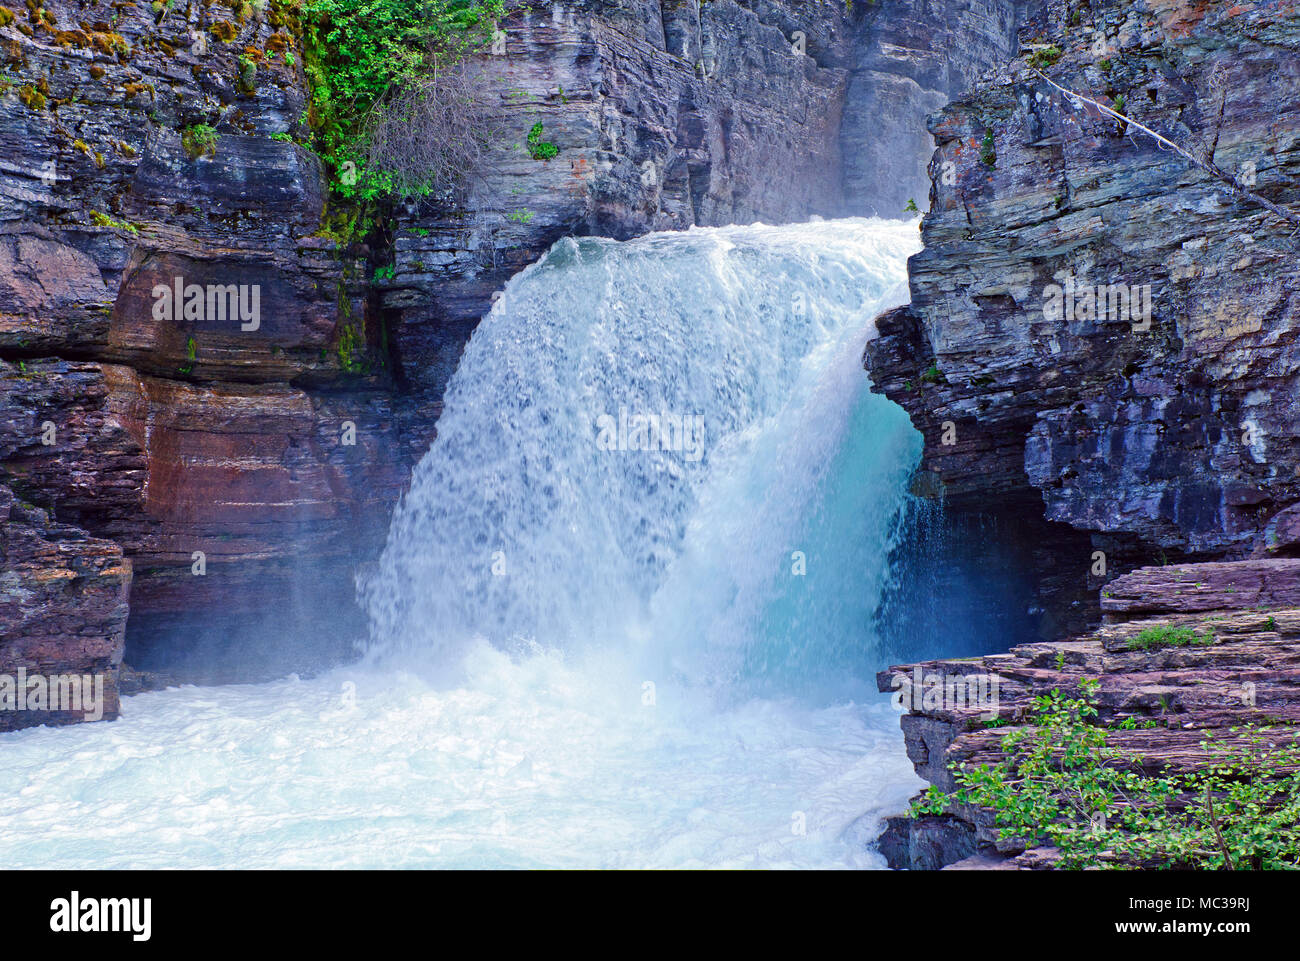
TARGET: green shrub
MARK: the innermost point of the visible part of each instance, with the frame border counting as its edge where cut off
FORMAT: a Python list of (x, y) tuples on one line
[(198, 140), (1166, 636), (1064, 784), (1044, 58), (538, 148), (988, 155), (375, 68)]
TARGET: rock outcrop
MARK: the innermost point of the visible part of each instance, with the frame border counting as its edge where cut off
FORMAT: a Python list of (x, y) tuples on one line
[(239, 453), (1104, 336), (1028, 355), (1243, 668), (63, 608)]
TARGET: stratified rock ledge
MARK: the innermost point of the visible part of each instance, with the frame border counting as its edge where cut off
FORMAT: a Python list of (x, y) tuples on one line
[(1247, 673)]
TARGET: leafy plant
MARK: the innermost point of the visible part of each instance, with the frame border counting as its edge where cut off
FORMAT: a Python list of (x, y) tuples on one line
[(1065, 784), (1166, 636), (198, 140), (911, 207), (393, 110), (538, 148), (1046, 57), (988, 155), (104, 220)]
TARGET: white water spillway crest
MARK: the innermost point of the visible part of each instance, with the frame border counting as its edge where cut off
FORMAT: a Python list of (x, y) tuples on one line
[(667, 444)]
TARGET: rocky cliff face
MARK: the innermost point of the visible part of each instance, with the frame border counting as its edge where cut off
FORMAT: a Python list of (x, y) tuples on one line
[(63, 607), (240, 462), (1047, 387), (1028, 355), (242, 456), (912, 58)]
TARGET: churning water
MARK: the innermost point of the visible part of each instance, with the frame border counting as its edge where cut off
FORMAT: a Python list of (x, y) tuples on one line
[(624, 616)]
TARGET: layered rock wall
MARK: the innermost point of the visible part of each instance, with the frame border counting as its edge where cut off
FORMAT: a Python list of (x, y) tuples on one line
[(1045, 386), (1027, 355)]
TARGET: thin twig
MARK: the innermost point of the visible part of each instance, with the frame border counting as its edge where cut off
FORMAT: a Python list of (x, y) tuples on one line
[(1214, 823)]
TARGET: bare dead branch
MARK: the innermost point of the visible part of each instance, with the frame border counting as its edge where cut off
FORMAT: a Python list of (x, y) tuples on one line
[(1237, 189), (429, 135)]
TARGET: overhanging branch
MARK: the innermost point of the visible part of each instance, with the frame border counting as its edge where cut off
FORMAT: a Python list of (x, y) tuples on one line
[(1237, 189)]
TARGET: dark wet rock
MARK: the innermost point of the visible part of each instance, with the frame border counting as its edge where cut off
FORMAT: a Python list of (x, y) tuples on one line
[(63, 609)]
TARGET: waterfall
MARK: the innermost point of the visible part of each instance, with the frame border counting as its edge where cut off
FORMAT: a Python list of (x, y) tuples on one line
[(596, 640), (668, 446)]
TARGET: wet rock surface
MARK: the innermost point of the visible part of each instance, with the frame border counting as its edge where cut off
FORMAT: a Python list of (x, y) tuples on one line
[(63, 611)]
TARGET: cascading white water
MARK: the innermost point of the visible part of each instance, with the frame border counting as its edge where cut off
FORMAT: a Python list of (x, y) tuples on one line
[(523, 525), (578, 656)]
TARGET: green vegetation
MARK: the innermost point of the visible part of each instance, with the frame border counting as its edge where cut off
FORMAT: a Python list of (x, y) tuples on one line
[(520, 216), (1044, 58), (191, 353), (1165, 636), (911, 207), (198, 140), (348, 344), (1064, 783), (392, 111), (932, 375), (988, 155), (104, 220), (32, 98), (247, 75), (538, 148)]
